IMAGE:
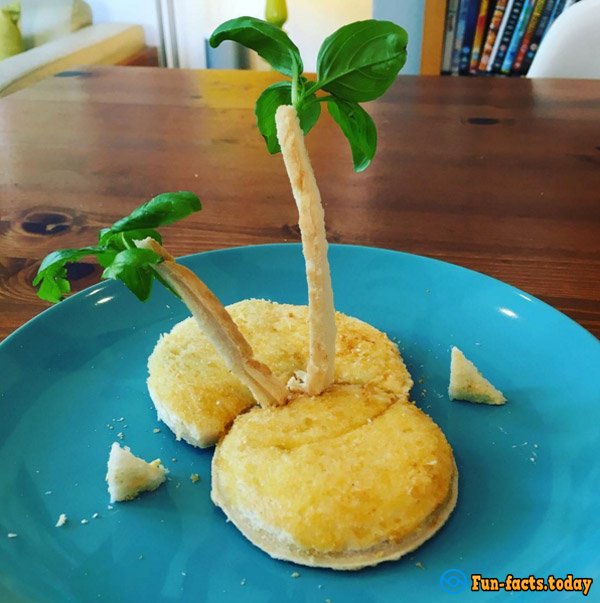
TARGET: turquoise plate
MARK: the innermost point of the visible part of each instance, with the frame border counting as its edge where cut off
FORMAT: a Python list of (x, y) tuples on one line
[(74, 378)]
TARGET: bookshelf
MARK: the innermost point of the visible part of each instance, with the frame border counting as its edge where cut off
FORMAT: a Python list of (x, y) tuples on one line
[(485, 37)]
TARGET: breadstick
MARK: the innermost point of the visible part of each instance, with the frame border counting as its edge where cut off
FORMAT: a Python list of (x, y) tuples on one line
[(321, 312), (223, 333)]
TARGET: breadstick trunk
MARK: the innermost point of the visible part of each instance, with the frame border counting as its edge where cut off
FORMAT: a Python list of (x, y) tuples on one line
[(219, 328), (321, 312)]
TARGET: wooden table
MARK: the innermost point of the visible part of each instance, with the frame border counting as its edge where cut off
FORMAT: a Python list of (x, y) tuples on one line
[(498, 175)]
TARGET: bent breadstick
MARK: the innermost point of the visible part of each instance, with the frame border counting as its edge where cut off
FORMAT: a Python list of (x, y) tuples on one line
[(321, 313), (222, 332)]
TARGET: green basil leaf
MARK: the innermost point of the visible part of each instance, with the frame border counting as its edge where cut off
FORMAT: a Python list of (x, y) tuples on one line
[(360, 61), (52, 273), (125, 239), (134, 267), (358, 127), (270, 42), (163, 209), (266, 106)]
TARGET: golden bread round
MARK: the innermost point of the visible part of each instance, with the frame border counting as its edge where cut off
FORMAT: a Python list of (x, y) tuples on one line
[(344, 480), (197, 397)]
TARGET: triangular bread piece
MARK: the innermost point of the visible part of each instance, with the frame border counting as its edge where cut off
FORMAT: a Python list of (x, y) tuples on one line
[(128, 475), (467, 383)]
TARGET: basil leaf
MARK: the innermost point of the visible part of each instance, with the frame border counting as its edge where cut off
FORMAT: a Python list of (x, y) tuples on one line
[(134, 268), (358, 127), (125, 239), (266, 106), (52, 273), (116, 251), (360, 61), (270, 42), (163, 209)]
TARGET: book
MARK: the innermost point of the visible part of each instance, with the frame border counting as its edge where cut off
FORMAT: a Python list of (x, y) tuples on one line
[(515, 42), (535, 18), (451, 15), (468, 37), (492, 32), (459, 34), (511, 18), (486, 9), (551, 10), (499, 35)]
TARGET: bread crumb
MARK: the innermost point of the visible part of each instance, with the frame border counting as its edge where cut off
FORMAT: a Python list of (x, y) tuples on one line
[(295, 574), (183, 574), (48, 492), (141, 556), (12, 535), (156, 430), (62, 520), (467, 383), (242, 581), (95, 515), (194, 478), (120, 419), (129, 475), (120, 435), (109, 507), (84, 521), (419, 565)]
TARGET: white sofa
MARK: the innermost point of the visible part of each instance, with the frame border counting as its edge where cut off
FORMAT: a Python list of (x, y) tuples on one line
[(58, 35)]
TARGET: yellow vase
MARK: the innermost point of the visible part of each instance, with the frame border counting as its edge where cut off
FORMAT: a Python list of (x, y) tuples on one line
[(10, 36), (276, 12)]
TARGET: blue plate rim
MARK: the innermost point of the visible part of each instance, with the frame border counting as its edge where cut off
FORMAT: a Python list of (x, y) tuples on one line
[(74, 298)]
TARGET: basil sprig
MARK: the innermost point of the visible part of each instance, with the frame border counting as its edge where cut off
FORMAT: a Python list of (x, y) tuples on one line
[(357, 63), (116, 251)]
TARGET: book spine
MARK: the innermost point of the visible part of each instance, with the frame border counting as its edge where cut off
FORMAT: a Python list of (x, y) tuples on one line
[(535, 18), (499, 35), (515, 43), (490, 39), (480, 29), (461, 23), (451, 15), (509, 30), (471, 23), (551, 8)]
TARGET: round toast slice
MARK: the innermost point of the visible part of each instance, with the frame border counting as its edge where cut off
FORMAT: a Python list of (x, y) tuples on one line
[(198, 398), (347, 479)]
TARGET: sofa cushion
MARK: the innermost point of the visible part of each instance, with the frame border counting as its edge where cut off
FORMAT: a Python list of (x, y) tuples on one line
[(102, 44), (45, 20)]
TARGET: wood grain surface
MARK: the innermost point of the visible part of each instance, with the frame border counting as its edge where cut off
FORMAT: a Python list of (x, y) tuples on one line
[(498, 175)]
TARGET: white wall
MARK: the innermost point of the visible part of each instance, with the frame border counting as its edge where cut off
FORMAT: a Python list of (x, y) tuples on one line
[(139, 12), (309, 22)]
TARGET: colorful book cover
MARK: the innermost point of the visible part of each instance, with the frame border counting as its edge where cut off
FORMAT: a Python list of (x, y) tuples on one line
[(552, 8), (451, 15), (490, 39), (461, 23), (469, 35), (511, 19), (499, 35), (535, 19), (486, 9), (515, 43)]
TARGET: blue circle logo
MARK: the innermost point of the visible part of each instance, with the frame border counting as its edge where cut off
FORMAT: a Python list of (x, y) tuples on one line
[(453, 581)]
